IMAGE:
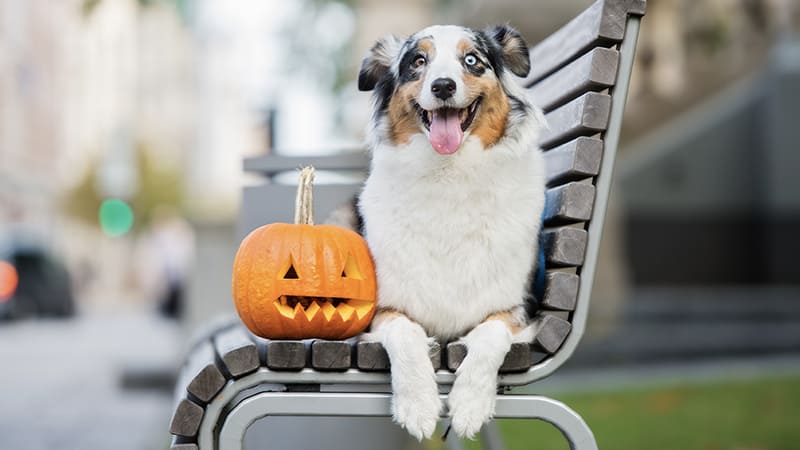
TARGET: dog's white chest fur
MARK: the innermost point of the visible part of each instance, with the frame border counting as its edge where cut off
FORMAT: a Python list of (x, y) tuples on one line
[(454, 237)]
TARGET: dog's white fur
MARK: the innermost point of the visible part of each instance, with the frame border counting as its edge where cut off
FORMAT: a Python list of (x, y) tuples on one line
[(454, 239)]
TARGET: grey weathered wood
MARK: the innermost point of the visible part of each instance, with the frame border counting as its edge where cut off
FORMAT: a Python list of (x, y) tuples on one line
[(286, 355), (183, 443), (272, 164), (594, 71), (435, 353), (603, 23), (205, 378), (261, 347), (186, 419), (565, 246), (560, 291), (587, 114), (569, 203), (330, 355), (456, 352), (579, 158), (518, 358), (371, 356), (550, 332), (236, 351)]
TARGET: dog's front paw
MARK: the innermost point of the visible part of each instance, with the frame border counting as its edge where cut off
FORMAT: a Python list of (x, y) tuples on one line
[(417, 412), (471, 405)]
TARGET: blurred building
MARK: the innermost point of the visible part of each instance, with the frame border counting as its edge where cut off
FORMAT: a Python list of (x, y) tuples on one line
[(82, 83)]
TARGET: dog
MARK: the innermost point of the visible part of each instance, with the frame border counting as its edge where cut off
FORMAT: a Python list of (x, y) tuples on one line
[(451, 212)]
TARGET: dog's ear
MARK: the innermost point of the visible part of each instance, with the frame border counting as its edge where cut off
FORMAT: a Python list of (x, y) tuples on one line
[(378, 62), (513, 47)]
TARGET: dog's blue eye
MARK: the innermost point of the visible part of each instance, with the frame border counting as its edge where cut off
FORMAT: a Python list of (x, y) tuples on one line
[(470, 60)]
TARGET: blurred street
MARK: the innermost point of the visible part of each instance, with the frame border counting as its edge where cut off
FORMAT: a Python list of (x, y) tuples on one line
[(61, 383)]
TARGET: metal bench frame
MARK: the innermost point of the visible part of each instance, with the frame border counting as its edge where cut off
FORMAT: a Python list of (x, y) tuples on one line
[(230, 381)]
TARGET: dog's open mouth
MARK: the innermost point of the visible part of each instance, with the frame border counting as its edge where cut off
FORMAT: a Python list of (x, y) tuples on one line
[(446, 126)]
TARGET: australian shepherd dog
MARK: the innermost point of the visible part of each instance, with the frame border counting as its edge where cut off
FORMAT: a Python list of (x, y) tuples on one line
[(451, 212)]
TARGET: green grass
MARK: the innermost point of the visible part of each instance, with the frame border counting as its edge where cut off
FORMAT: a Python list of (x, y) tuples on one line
[(759, 414)]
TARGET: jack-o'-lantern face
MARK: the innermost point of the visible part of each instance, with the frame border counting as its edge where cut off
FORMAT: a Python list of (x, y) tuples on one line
[(295, 281)]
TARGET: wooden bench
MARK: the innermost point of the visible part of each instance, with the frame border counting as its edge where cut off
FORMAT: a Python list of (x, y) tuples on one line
[(580, 76)]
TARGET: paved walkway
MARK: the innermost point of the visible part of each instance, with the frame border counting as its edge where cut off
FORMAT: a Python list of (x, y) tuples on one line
[(59, 383)]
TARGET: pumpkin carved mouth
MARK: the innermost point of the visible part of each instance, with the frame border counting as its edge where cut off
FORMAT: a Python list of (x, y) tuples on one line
[(291, 306)]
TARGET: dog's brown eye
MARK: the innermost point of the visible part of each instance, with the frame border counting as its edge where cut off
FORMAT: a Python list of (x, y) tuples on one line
[(419, 61)]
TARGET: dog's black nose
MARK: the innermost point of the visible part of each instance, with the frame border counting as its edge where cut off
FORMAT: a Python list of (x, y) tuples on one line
[(443, 88)]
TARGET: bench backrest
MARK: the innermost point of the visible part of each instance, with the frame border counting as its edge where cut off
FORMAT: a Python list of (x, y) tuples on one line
[(579, 78)]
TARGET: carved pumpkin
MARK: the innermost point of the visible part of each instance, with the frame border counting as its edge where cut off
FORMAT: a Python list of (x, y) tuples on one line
[(297, 281)]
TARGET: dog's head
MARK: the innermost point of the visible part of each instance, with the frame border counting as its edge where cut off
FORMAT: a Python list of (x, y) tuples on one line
[(446, 82)]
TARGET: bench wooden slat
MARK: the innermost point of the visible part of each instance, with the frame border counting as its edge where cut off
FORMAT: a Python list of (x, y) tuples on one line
[(587, 114), (551, 331), (593, 71), (560, 291), (371, 356), (330, 355), (273, 164), (186, 419), (565, 247), (579, 158), (237, 351), (519, 357), (286, 355), (569, 203), (206, 379), (602, 24)]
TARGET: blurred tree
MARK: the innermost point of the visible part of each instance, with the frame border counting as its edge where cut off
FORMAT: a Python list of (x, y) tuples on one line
[(158, 186)]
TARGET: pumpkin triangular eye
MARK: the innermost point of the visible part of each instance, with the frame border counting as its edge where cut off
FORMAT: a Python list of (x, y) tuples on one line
[(351, 269), (291, 273)]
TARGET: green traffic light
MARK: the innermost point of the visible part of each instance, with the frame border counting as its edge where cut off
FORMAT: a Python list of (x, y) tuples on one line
[(116, 217)]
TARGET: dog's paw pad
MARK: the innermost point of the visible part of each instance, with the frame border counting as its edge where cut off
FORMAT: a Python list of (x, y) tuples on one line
[(417, 414)]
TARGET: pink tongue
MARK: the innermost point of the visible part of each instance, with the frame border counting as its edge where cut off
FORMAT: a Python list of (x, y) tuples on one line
[(446, 134)]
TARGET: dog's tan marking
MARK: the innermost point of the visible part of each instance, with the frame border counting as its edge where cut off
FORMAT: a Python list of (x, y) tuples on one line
[(384, 315), (403, 121), (427, 47), (492, 116), (511, 320), (464, 46), (491, 119)]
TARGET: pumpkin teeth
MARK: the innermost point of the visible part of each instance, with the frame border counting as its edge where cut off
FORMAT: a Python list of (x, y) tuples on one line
[(312, 310), (345, 310), (284, 309), (298, 308), (328, 309), (292, 306), (362, 307)]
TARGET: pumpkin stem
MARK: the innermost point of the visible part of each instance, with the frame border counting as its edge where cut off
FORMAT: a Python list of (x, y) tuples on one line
[(304, 202)]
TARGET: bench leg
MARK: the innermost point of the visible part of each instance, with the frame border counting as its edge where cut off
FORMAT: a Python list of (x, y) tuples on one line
[(265, 404)]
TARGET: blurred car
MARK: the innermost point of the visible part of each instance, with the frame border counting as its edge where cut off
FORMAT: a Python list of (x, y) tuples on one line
[(43, 289)]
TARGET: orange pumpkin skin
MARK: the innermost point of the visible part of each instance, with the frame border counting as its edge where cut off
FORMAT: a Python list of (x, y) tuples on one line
[(328, 262)]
